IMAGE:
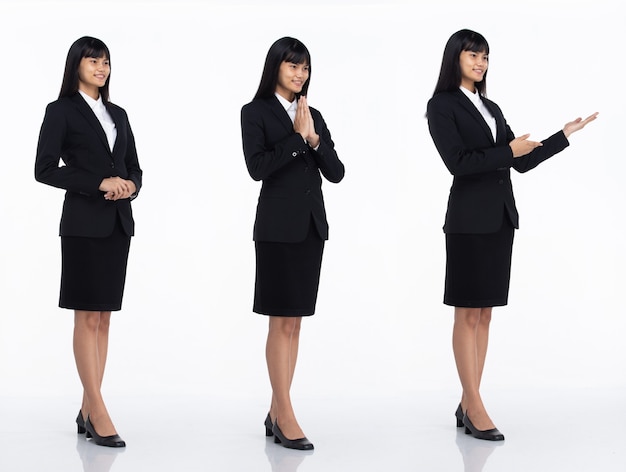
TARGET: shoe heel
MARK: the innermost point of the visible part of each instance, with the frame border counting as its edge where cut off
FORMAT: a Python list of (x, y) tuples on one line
[(276, 440), (467, 430), (459, 423), (81, 429), (268, 432)]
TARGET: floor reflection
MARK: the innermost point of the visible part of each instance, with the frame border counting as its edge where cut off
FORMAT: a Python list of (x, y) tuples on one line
[(96, 458), (475, 452), (282, 459)]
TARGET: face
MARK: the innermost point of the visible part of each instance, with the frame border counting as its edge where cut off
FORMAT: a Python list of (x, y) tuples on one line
[(473, 68), (93, 73), (291, 79)]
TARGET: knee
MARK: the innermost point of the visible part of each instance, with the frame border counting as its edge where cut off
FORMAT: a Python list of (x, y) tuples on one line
[(87, 320), (286, 327), (469, 317)]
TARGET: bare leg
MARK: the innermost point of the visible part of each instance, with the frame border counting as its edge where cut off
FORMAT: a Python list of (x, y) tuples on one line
[(91, 335), (469, 340), (281, 352)]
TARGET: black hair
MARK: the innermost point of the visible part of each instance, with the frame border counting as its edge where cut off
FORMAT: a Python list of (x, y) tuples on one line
[(283, 50), (83, 47), (450, 73)]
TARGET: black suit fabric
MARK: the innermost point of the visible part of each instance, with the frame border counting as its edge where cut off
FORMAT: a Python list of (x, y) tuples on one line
[(72, 133), (95, 233), (291, 192), (481, 193)]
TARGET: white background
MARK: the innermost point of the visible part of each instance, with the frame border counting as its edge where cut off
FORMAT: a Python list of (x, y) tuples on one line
[(183, 69)]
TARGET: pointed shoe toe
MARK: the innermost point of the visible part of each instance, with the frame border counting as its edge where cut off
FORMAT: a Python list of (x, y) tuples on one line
[(302, 444), (487, 434), (109, 441)]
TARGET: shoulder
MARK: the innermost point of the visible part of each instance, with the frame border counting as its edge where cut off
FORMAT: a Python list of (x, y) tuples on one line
[(258, 104), (444, 99), (60, 104)]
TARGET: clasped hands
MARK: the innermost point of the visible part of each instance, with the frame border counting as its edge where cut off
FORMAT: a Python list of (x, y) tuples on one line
[(304, 125), (116, 188), (522, 145)]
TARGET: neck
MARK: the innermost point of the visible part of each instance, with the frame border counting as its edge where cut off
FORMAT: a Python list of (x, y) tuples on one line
[(93, 92)]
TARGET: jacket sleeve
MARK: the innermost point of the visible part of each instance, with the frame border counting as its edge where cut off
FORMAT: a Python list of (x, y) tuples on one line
[(325, 156), (458, 158), (554, 144), (50, 150), (132, 162), (262, 158)]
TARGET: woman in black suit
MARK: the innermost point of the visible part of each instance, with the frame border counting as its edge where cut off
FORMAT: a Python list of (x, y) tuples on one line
[(101, 175), (479, 148), (286, 144)]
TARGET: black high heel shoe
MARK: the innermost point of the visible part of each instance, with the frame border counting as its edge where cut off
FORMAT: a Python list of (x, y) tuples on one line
[(110, 441), (459, 417), (268, 426), (488, 434), (80, 425), (302, 444)]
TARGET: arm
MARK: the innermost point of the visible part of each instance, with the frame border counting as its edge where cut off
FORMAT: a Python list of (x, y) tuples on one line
[(132, 163), (450, 141), (261, 159), (325, 155), (49, 150)]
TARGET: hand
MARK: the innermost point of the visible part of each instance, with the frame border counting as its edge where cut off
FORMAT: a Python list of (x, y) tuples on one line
[(578, 124), (116, 188), (304, 124), (522, 145)]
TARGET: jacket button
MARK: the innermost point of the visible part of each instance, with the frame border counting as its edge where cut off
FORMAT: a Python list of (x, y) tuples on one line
[(294, 154), (112, 165), (306, 169), (307, 191)]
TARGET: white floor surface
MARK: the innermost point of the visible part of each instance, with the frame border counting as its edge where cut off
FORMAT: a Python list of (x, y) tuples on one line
[(545, 431)]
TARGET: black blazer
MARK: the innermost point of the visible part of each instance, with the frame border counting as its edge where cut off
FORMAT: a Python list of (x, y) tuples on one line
[(291, 194), (481, 190), (71, 132)]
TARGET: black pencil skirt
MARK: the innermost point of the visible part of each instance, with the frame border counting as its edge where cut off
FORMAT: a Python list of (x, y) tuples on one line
[(288, 275), (478, 268), (93, 271)]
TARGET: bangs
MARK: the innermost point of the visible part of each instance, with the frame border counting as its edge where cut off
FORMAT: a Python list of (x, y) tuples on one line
[(476, 44), (298, 56), (96, 53)]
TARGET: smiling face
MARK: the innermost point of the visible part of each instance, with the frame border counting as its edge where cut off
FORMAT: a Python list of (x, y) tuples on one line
[(473, 68), (291, 79), (93, 73)]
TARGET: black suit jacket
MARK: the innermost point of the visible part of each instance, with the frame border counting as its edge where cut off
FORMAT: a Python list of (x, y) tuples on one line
[(71, 132), (291, 194), (481, 192)]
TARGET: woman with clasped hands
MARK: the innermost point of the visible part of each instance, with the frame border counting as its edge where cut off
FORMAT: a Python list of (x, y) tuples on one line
[(101, 176), (287, 145), (479, 149)]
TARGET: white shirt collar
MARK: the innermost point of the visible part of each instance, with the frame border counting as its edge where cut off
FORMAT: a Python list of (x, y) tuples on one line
[(94, 104), (474, 97), (286, 103)]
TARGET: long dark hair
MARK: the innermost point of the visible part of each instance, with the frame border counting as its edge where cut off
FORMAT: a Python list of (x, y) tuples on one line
[(450, 73), (283, 50), (83, 47)]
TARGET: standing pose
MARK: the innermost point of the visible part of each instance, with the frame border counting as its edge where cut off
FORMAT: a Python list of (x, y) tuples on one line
[(286, 145), (478, 148), (101, 175)]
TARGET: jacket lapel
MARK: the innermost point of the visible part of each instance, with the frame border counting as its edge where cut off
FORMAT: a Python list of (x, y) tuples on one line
[(91, 118), (280, 113), (500, 122), (471, 108)]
